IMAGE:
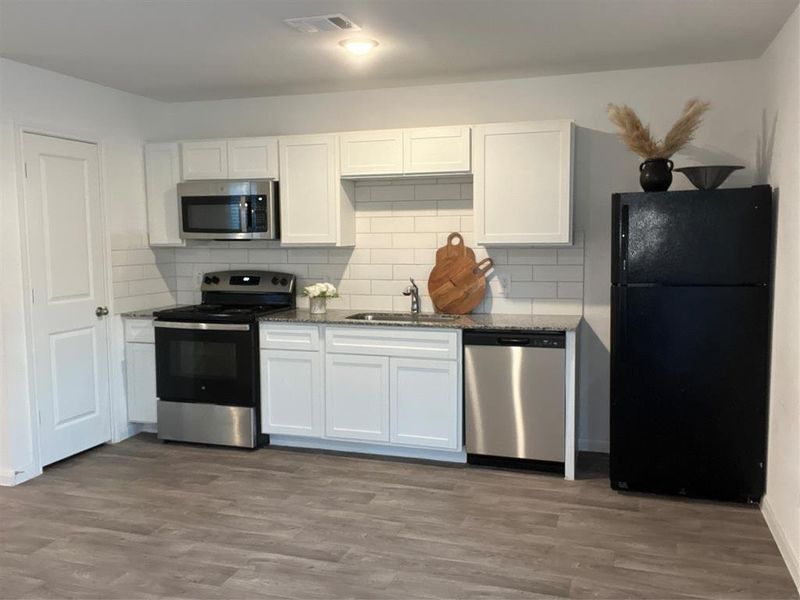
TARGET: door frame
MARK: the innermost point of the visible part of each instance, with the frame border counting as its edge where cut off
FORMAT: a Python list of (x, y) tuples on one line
[(20, 129)]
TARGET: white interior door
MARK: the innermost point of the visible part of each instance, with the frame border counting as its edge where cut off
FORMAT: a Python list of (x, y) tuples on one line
[(65, 239)]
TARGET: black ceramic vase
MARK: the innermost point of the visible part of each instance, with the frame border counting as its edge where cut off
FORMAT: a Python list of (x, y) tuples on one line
[(655, 174)]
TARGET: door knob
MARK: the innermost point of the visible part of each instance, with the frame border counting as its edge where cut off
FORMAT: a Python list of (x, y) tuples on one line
[(101, 311)]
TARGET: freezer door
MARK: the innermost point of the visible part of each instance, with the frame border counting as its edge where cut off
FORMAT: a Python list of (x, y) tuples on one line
[(689, 369), (719, 237)]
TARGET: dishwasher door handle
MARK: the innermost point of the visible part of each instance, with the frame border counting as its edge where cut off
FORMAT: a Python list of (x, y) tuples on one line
[(511, 341)]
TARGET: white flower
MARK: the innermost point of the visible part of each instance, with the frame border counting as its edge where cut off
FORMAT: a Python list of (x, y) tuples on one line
[(323, 290)]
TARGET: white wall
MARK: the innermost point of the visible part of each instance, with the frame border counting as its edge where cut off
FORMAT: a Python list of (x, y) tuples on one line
[(781, 69), (602, 165), (69, 107)]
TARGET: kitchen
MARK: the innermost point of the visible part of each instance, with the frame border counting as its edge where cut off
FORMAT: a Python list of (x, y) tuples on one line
[(398, 220)]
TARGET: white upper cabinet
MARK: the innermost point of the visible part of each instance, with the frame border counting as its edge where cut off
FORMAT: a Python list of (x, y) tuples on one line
[(162, 174), (405, 152), (253, 158), (522, 185), (316, 206), (372, 152), (205, 159), (436, 150), (240, 158)]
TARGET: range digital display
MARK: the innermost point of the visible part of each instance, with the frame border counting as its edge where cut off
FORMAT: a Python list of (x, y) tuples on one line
[(245, 280)]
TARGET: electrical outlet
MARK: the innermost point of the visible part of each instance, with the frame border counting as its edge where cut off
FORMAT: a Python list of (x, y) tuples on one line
[(505, 284)]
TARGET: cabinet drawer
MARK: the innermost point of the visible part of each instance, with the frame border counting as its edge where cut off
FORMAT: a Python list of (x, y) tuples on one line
[(392, 341), (289, 337), (140, 330)]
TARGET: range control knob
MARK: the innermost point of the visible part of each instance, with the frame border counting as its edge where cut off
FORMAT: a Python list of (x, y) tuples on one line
[(215, 279), (274, 281), (206, 279), (284, 281)]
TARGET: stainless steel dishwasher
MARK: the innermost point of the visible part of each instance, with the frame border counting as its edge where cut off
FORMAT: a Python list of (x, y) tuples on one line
[(515, 398)]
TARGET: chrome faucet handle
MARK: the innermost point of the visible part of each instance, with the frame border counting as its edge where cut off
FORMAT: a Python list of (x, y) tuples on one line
[(413, 291)]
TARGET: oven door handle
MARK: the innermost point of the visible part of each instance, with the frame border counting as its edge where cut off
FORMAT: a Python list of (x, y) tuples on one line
[(203, 326)]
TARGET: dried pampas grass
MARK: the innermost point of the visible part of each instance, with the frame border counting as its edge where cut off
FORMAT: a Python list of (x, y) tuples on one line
[(638, 138)]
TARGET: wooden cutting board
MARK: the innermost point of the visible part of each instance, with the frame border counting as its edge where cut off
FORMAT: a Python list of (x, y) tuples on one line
[(454, 248), (458, 285)]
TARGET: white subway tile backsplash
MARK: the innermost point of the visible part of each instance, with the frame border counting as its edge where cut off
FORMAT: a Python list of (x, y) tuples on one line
[(267, 256), (532, 256), (399, 225), (392, 256), (570, 289), (560, 273), (414, 240), (437, 224), (393, 193), (371, 271), (308, 255), (437, 191), (373, 240), (392, 224)]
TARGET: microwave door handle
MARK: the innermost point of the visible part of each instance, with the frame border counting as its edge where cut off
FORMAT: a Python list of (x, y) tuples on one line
[(244, 214)]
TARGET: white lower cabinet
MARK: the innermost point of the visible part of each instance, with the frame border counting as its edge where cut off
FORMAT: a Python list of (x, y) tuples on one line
[(140, 370), (291, 392), (382, 387), (357, 397), (424, 402)]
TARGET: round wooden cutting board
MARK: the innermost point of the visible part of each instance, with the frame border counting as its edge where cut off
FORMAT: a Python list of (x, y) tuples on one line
[(457, 282)]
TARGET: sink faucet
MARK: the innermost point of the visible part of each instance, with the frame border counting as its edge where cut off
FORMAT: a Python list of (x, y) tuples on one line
[(413, 291)]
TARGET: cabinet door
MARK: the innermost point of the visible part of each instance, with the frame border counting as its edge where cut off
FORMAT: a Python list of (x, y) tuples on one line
[(436, 150), (309, 187), (371, 152), (523, 183), (291, 392), (253, 158), (424, 404), (162, 174), (205, 159), (357, 397), (140, 362)]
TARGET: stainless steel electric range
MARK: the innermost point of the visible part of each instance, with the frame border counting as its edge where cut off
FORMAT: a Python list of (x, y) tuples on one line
[(207, 364)]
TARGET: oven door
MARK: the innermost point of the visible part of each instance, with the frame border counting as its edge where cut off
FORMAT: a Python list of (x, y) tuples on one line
[(209, 363)]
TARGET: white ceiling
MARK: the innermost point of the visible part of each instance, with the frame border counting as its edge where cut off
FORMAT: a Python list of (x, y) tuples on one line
[(207, 49)]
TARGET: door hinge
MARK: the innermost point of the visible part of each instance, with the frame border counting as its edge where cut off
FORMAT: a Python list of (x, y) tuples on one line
[(26, 170), (33, 296)]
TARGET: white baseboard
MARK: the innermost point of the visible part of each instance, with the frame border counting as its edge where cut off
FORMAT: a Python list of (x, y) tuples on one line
[(362, 448), (586, 445), (11, 477), (788, 552)]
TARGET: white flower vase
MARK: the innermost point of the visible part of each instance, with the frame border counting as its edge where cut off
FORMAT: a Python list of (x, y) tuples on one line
[(318, 305)]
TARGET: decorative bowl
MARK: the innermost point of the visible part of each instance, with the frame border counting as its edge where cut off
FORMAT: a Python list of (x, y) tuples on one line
[(709, 177)]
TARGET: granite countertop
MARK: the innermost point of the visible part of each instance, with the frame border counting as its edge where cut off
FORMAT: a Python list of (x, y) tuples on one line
[(145, 313), (473, 321)]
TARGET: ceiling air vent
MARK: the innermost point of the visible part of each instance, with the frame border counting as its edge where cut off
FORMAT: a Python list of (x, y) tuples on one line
[(322, 23)]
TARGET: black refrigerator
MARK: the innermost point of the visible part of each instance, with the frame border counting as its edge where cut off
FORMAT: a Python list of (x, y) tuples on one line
[(690, 338)]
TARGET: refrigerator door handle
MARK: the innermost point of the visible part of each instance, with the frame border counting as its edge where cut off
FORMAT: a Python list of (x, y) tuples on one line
[(623, 243)]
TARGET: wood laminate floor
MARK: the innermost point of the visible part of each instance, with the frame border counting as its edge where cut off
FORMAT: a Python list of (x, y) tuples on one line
[(143, 519)]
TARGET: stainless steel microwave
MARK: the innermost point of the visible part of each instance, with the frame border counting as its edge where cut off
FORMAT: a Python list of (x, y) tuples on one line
[(229, 210)]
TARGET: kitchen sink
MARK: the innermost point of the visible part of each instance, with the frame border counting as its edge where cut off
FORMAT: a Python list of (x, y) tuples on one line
[(403, 317)]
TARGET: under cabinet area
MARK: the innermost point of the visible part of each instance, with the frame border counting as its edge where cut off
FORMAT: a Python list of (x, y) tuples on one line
[(140, 370), (397, 387)]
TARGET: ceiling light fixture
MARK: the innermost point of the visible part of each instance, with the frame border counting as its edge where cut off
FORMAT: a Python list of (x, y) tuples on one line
[(358, 46)]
